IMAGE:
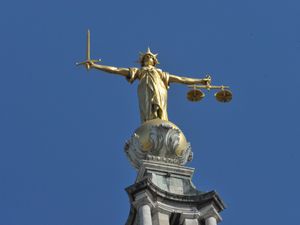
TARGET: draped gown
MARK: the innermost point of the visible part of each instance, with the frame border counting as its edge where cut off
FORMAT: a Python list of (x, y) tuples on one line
[(152, 92)]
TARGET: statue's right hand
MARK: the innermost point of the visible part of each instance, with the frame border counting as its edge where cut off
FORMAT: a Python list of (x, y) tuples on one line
[(89, 64)]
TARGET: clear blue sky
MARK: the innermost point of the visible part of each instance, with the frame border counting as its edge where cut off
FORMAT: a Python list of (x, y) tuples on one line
[(62, 129)]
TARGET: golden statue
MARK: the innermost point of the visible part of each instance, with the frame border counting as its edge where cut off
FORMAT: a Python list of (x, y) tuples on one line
[(157, 138), (153, 83)]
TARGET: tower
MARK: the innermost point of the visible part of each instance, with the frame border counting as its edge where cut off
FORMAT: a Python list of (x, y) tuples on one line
[(163, 193)]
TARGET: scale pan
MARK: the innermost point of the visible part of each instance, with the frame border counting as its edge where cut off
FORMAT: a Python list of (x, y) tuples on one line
[(195, 95), (224, 96)]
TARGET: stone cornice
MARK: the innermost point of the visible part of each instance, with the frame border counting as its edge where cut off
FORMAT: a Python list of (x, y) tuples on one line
[(199, 200)]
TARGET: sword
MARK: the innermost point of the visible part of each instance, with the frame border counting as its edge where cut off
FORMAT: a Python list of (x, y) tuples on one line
[(88, 53)]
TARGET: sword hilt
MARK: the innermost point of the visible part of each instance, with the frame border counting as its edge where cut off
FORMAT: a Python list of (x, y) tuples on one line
[(86, 63)]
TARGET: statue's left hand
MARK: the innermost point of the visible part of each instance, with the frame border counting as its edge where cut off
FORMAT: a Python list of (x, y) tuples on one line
[(207, 80)]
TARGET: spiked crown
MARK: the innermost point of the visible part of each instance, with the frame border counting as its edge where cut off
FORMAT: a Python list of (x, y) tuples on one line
[(154, 56)]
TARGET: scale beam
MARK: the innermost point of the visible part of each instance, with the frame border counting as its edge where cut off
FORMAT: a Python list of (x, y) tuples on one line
[(208, 87)]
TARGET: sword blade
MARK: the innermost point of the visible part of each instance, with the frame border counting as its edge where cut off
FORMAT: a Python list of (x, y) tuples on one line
[(88, 46)]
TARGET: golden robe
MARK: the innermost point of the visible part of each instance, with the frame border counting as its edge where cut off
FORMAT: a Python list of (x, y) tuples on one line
[(152, 92)]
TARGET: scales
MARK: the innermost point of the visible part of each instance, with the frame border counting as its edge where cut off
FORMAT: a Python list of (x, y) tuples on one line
[(196, 94)]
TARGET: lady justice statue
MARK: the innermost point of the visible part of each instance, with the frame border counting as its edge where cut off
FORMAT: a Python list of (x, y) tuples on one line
[(153, 84), (157, 138)]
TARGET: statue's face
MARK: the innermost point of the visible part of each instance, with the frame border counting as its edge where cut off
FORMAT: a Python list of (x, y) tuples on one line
[(148, 60)]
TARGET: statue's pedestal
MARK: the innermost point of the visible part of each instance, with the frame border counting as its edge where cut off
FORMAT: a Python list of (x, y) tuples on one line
[(158, 140), (164, 194)]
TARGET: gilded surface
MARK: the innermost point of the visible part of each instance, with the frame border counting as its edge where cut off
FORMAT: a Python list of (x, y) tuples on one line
[(152, 92), (153, 84)]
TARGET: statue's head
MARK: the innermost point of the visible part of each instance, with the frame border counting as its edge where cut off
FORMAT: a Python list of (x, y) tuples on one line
[(148, 58)]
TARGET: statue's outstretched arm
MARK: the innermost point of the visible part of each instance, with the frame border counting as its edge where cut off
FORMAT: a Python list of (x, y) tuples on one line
[(187, 80), (110, 69)]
